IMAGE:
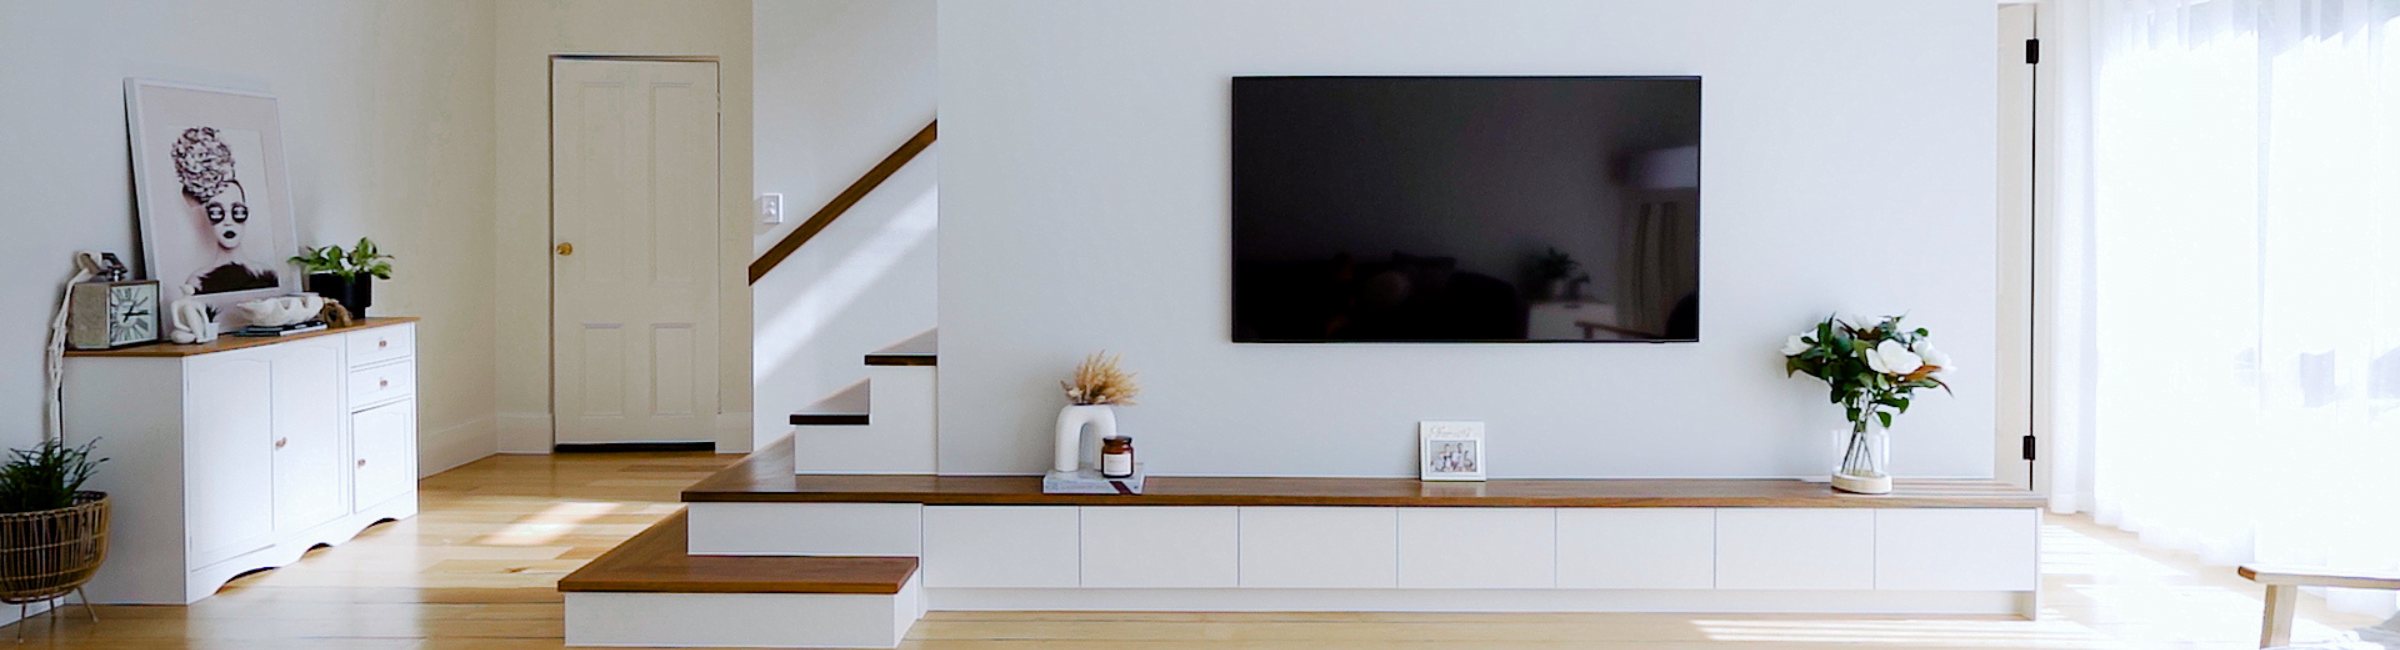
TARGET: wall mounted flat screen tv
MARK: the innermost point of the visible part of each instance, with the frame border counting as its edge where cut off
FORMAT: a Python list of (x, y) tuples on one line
[(1466, 209)]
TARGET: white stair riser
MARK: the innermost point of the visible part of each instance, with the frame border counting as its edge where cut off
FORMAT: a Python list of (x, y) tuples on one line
[(687, 620), (872, 529), (898, 436)]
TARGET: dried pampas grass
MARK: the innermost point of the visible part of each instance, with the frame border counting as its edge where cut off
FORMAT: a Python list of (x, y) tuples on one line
[(1098, 380)]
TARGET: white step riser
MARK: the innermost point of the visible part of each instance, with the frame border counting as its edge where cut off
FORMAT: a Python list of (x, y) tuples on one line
[(687, 620), (848, 529), (898, 436)]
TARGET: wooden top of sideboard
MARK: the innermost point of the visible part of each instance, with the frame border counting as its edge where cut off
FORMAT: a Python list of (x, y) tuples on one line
[(228, 342), (766, 477)]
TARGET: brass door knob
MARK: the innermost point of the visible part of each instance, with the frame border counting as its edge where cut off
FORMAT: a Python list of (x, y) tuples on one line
[(362, 462), (566, 248)]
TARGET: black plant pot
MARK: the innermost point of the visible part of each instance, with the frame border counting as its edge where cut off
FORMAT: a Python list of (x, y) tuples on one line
[(354, 296)]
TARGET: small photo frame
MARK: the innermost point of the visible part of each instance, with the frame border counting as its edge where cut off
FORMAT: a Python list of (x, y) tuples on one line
[(1450, 451)]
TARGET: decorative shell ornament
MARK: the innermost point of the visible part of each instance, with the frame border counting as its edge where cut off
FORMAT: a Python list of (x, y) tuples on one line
[(278, 312)]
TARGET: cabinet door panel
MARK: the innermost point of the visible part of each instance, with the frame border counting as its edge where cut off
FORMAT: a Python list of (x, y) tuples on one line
[(1320, 548), (1958, 549), (1637, 548), (1796, 548), (1166, 547), (386, 441), (1001, 546), (308, 433), (228, 458), (1478, 548)]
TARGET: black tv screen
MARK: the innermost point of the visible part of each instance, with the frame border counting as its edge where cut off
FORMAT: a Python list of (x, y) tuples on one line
[(1439, 209)]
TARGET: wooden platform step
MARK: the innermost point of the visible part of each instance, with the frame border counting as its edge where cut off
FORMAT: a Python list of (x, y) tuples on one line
[(656, 562)]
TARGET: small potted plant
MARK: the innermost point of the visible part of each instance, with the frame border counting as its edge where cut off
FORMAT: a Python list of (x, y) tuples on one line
[(1873, 369), (1092, 395), (345, 276), (53, 534), (1557, 274)]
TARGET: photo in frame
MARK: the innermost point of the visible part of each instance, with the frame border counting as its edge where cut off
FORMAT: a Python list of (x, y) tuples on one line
[(214, 198), (1450, 451)]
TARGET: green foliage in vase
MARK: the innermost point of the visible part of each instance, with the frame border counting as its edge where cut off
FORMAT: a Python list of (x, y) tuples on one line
[(1872, 368), (45, 477), (361, 260)]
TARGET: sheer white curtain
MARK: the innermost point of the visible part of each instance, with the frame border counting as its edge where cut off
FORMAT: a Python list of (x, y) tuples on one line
[(2240, 237)]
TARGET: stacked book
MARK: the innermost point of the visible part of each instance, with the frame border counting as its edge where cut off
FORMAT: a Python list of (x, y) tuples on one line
[(281, 330)]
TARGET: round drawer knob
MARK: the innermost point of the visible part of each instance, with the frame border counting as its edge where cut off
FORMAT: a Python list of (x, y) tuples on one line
[(280, 442), (362, 462), (380, 343), (383, 383)]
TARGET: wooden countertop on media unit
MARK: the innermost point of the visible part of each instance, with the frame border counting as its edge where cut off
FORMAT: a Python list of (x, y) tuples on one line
[(766, 477), (229, 342)]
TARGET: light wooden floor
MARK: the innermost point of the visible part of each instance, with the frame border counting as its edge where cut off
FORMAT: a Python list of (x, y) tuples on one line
[(475, 572)]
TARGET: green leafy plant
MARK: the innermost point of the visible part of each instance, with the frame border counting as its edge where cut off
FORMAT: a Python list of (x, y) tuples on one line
[(363, 259), (46, 477), (1873, 369)]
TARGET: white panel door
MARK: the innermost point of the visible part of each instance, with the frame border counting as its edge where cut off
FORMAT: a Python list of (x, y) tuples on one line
[(634, 266), (307, 378), (1637, 548), (1163, 547), (228, 454), (1795, 548), (1478, 548), (1320, 548), (1001, 546), (1958, 549), (386, 465)]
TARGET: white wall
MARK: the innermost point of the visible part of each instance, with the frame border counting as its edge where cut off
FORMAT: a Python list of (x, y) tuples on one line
[(529, 32), (386, 111), (1849, 152), (839, 85)]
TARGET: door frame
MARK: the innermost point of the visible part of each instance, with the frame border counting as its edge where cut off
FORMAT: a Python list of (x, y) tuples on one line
[(550, 230)]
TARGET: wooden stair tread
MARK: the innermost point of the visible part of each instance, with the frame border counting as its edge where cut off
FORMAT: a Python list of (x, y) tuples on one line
[(767, 477), (849, 406), (918, 350), (657, 561)]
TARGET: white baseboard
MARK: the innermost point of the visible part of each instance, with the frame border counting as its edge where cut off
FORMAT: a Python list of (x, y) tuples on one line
[(524, 433), (733, 433), (1697, 601), (449, 447)]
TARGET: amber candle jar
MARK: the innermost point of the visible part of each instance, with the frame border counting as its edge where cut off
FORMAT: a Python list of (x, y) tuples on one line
[(1116, 457)]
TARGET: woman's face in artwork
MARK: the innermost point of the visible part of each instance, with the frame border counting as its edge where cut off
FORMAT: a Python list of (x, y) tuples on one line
[(228, 215)]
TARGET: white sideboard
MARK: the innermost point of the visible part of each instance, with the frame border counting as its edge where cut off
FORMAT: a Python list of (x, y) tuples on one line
[(242, 454)]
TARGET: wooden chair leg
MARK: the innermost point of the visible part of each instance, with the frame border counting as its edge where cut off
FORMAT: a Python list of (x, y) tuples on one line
[(2276, 630)]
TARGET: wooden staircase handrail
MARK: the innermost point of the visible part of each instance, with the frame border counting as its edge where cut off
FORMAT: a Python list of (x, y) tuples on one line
[(842, 202)]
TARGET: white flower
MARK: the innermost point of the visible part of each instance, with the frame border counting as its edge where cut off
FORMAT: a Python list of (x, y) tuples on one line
[(1858, 322), (1893, 358), (1793, 346), (1933, 357)]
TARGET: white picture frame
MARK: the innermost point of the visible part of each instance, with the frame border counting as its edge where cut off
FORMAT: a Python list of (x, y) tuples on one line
[(213, 194), (1451, 451)]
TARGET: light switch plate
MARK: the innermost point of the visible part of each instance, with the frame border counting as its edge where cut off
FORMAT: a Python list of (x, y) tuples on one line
[(770, 207)]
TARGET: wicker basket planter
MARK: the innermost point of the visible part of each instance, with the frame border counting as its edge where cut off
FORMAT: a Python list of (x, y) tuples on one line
[(50, 553)]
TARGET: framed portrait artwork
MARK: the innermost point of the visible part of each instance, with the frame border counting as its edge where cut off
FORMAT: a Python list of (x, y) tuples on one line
[(1450, 451), (215, 202)]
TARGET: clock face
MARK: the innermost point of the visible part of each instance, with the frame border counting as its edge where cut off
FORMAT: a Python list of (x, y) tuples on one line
[(132, 314)]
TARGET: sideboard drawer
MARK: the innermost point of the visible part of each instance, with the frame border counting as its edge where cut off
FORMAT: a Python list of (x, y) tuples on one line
[(1637, 548), (1478, 548), (382, 383), (1002, 546), (1166, 547), (382, 344), (1958, 549), (1796, 548), (1320, 548)]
